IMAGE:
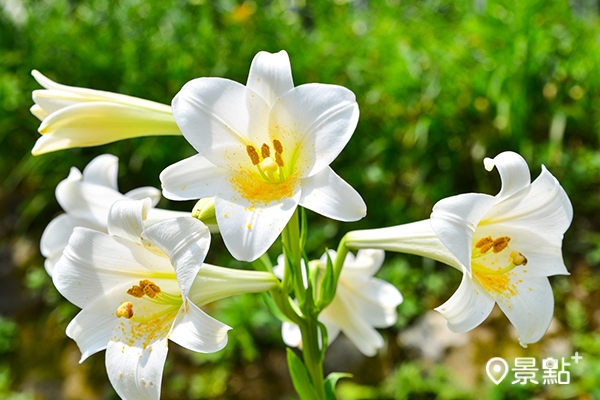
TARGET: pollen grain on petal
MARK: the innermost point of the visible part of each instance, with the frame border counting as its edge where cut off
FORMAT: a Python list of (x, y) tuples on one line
[(258, 191)]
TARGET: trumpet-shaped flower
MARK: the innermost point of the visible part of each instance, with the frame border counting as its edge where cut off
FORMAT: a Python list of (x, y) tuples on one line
[(263, 149), (361, 303), (86, 199), (80, 117), (507, 245), (133, 286)]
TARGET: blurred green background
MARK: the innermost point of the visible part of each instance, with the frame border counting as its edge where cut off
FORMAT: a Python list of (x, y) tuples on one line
[(440, 84)]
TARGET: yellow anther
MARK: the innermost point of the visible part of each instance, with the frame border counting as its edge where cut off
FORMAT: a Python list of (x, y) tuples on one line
[(518, 258), (125, 310), (484, 244), (136, 291), (278, 159), (265, 151), (150, 288), (278, 147), (253, 155), (501, 243)]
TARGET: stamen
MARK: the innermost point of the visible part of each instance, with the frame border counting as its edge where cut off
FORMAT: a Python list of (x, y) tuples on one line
[(501, 243), (278, 147), (150, 288), (518, 258), (253, 155), (125, 310), (136, 291), (484, 244), (278, 159), (265, 151)]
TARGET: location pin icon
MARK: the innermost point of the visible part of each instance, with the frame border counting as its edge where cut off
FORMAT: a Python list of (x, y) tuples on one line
[(496, 369)]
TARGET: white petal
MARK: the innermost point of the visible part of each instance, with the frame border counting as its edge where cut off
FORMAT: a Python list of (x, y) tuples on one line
[(84, 200), (315, 122), (53, 100), (249, 230), (101, 122), (530, 309), (415, 238), (329, 195), (366, 263), (185, 241), (93, 263), (468, 307), (197, 331), (126, 218), (192, 178), (543, 258), (103, 170), (366, 339), (92, 329), (98, 95), (374, 299), (146, 191), (543, 208), (270, 75), (291, 334), (135, 371), (220, 117), (55, 238), (454, 220), (514, 172)]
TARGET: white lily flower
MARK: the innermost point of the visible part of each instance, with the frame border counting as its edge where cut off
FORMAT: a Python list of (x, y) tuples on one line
[(264, 149), (361, 303), (507, 245), (86, 199), (80, 117), (133, 286)]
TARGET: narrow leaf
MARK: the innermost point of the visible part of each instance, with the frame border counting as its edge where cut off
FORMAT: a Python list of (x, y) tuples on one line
[(300, 377), (331, 381)]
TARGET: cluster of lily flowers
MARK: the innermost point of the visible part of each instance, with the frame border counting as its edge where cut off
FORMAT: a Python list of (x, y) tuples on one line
[(264, 152)]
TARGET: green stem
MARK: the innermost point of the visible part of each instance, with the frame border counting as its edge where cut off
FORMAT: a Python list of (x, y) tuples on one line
[(312, 355), (306, 319)]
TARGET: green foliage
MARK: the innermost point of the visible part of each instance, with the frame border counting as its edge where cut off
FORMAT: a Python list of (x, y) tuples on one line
[(300, 377)]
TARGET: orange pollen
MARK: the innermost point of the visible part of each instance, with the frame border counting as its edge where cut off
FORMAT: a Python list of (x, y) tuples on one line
[(150, 288), (265, 151), (253, 155), (146, 287), (278, 147), (484, 244), (278, 159), (125, 310), (499, 284), (501, 243), (136, 291)]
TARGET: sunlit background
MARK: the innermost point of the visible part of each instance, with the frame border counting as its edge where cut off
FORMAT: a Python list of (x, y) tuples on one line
[(440, 84)]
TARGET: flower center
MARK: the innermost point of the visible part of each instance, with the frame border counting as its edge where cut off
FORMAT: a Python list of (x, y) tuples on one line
[(269, 167), (163, 302), (269, 182), (492, 263)]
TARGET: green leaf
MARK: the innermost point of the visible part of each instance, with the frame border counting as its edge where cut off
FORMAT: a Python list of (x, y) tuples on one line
[(331, 381), (300, 377), (328, 285), (272, 306)]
